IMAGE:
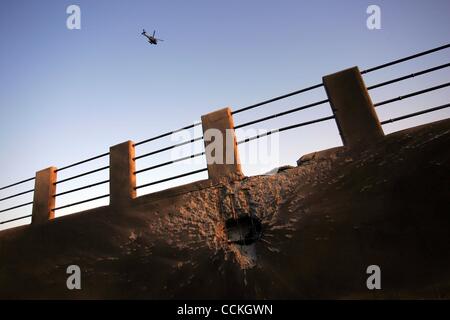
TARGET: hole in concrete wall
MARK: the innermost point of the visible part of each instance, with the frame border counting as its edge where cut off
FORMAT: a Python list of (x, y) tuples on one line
[(244, 230)]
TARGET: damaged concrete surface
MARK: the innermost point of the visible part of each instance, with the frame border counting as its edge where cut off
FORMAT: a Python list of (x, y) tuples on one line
[(322, 224)]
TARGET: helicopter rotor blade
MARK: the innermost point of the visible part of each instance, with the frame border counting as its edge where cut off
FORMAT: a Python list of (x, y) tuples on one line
[(160, 39)]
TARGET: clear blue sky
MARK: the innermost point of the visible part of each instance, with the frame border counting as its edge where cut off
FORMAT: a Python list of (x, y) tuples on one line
[(66, 94)]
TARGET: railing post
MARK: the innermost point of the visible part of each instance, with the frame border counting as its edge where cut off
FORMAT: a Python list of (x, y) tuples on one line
[(122, 180), (221, 149), (43, 198), (353, 109)]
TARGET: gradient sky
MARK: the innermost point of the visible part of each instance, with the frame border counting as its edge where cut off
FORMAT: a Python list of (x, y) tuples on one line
[(66, 95)]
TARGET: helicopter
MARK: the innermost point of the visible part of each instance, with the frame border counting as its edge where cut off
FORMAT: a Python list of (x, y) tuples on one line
[(151, 39)]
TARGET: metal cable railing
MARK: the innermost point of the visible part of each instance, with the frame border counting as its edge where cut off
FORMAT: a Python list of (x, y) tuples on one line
[(171, 178), (409, 76), (166, 134), (18, 206), (316, 86), (412, 75), (412, 94), (413, 114), (14, 196), (15, 207), (302, 124), (169, 162), (277, 98), (391, 63), (82, 174), (83, 161), (15, 219), (282, 113), (385, 83), (81, 188), (17, 183), (80, 202), (58, 194), (160, 165), (394, 62), (168, 148), (17, 194)]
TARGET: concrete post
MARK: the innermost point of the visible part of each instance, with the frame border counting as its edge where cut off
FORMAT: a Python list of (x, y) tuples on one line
[(221, 150), (122, 180), (351, 104), (43, 198)]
